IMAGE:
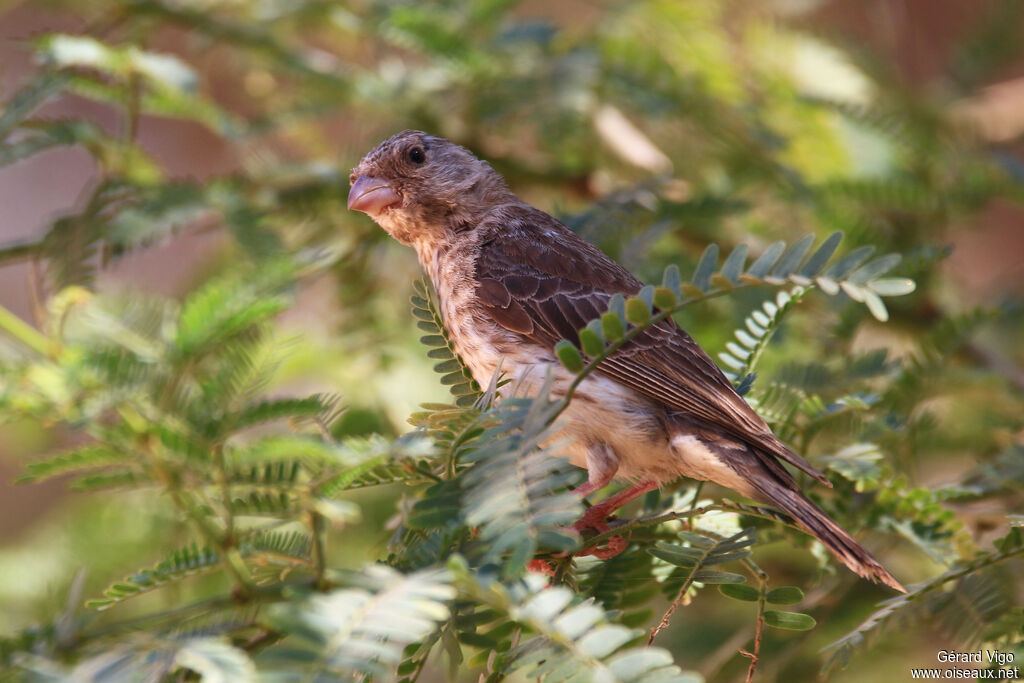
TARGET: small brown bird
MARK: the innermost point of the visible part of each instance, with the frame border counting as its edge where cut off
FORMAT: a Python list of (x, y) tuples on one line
[(513, 281)]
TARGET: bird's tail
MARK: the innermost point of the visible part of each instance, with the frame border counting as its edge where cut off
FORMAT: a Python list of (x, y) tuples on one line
[(814, 521)]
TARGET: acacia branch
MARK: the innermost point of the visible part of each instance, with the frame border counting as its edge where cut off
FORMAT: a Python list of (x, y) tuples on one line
[(685, 516), (755, 656)]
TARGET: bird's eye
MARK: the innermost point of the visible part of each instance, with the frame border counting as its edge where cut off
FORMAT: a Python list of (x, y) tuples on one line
[(352, 179), (417, 155)]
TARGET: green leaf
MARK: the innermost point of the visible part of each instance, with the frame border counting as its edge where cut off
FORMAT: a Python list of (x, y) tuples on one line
[(281, 408), (743, 354), (638, 311), (567, 640), (76, 460), (784, 595), (162, 71), (765, 262), (515, 489), (569, 356), (715, 576), (456, 375), (875, 305), (612, 327), (591, 341), (677, 555), (841, 268), (110, 479), (664, 298), (792, 258), (21, 104), (50, 134), (706, 266), (433, 340), (215, 659), (880, 266), (706, 553), (182, 563), (734, 263), (697, 540), (790, 621), (897, 286), (646, 295), (820, 258), (672, 280), (365, 627), (740, 592), (449, 366), (617, 305), (223, 309)]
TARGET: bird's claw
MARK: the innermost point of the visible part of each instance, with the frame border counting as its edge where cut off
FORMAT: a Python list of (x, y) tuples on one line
[(613, 546)]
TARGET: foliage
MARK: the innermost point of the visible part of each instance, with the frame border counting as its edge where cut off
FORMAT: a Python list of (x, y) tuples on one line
[(291, 533)]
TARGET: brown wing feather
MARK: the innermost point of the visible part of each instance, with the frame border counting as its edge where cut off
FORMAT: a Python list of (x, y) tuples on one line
[(537, 278)]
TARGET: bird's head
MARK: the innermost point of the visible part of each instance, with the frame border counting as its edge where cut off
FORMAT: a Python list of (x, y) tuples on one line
[(418, 186)]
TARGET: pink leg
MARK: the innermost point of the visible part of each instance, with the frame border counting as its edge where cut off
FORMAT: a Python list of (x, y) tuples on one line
[(601, 467), (602, 510), (596, 518)]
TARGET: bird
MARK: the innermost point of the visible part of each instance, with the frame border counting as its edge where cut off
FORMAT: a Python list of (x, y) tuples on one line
[(512, 281)]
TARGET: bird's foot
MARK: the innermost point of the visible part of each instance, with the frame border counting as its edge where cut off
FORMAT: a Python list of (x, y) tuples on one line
[(595, 518)]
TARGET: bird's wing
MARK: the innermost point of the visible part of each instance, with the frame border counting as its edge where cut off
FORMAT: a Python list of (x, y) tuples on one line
[(538, 279)]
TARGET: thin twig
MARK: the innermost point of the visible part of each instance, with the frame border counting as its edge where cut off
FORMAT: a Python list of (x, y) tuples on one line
[(319, 534), (756, 654), (24, 333), (680, 599), (18, 250)]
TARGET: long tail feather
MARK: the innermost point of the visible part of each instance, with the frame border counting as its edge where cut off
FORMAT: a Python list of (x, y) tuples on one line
[(813, 519)]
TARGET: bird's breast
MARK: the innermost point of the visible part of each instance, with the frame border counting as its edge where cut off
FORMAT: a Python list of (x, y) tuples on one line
[(479, 341)]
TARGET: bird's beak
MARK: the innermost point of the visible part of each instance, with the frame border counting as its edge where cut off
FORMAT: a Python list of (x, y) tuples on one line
[(370, 195)]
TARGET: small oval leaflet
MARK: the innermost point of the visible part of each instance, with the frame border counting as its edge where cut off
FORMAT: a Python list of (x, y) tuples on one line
[(569, 355), (790, 621), (591, 342), (715, 576), (784, 595), (637, 310), (738, 591), (611, 325)]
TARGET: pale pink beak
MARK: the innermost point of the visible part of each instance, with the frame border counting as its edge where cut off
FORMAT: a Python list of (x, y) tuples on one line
[(371, 195)]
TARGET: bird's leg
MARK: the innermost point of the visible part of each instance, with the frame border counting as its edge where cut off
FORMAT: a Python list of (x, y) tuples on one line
[(602, 464), (596, 518)]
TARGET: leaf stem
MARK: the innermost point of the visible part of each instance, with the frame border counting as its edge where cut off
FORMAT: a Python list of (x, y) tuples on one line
[(24, 333)]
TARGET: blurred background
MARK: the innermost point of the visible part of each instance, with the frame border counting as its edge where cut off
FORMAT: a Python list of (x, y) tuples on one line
[(652, 128)]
